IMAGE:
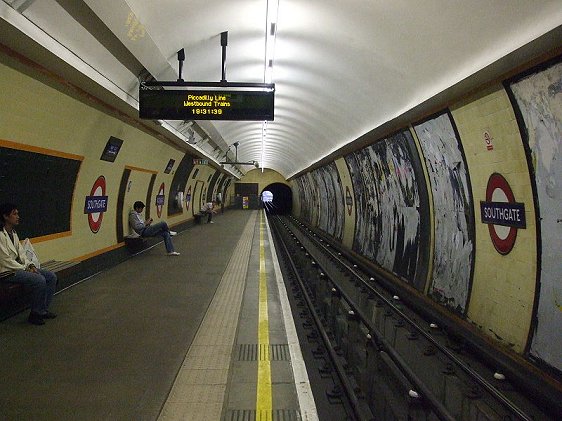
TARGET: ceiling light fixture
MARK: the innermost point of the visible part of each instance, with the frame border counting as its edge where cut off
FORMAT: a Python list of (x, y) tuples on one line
[(263, 136), (272, 11)]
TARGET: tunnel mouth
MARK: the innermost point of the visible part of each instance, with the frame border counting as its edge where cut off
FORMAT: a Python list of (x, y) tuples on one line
[(277, 199)]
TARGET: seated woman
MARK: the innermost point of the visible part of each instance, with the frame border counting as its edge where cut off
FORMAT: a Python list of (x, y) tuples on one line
[(145, 228), (13, 259)]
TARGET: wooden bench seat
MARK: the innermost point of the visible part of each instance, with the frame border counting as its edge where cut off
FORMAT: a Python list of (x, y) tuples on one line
[(135, 243), (14, 296), (57, 265), (7, 290), (198, 217)]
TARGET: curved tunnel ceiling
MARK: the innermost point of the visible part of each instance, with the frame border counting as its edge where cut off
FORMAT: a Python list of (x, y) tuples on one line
[(341, 67)]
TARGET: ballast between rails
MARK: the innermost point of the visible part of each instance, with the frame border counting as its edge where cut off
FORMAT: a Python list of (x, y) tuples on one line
[(377, 341), (459, 363), (381, 343), (360, 412), (543, 390)]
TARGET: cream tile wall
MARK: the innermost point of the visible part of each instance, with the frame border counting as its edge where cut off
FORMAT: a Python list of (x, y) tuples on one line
[(503, 289), (48, 118)]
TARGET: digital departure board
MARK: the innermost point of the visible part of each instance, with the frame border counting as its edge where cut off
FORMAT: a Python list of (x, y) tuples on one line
[(205, 104)]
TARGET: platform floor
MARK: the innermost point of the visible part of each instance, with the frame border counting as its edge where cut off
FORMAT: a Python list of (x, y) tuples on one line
[(203, 336)]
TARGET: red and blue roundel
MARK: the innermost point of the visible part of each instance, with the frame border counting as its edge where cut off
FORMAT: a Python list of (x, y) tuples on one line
[(96, 204), (160, 200), (348, 200), (502, 213)]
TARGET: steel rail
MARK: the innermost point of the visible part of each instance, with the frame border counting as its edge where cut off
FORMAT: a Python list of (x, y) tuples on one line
[(468, 370), (349, 389), (432, 402)]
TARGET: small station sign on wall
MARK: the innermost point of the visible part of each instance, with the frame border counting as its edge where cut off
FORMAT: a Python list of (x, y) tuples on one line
[(503, 214), (348, 200), (488, 140), (160, 199), (188, 198)]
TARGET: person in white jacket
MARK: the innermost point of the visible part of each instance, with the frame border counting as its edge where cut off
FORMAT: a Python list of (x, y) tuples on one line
[(209, 209), (13, 259)]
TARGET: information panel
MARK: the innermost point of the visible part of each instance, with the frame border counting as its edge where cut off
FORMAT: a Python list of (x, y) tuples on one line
[(199, 104)]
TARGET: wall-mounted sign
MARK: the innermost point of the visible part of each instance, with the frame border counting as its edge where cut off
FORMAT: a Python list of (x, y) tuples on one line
[(245, 202), (193, 103), (169, 167), (112, 148), (502, 213), (160, 199), (348, 200), (200, 162), (488, 140), (96, 204), (188, 198)]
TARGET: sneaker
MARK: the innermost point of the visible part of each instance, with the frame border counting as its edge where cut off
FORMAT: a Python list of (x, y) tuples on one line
[(173, 253), (172, 233), (35, 319), (212, 222)]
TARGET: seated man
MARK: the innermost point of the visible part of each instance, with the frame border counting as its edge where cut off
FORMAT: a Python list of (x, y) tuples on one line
[(209, 209), (14, 259), (145, 228)]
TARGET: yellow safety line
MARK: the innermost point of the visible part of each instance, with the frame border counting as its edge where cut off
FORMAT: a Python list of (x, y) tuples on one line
[(263, 399)]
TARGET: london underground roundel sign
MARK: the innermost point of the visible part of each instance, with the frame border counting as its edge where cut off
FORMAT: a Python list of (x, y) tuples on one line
[(502, 213), (348, 200), (96, 204), (160, 200)]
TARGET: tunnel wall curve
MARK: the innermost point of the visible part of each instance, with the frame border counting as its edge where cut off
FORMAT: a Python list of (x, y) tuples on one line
[(75, 167), (417, 203)]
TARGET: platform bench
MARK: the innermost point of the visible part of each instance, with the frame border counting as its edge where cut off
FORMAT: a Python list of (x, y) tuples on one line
[(198, 217), (7, 290), (13, 296), (135, 243), (57, 265)]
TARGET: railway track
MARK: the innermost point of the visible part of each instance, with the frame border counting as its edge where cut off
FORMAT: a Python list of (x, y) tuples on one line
[(392, 363)]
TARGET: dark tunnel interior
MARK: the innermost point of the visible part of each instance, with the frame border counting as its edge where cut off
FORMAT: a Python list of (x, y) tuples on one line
[(280, 201)]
